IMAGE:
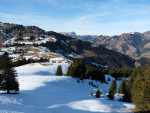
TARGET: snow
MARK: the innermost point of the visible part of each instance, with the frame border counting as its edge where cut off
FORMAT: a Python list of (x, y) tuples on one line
[(86, 106), (41, 68), (43, 92), (97, 106), (1, 53), (26, 41), (8, 100)]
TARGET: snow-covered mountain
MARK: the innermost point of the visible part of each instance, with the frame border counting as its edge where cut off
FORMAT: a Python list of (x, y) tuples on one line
[(90, 38)]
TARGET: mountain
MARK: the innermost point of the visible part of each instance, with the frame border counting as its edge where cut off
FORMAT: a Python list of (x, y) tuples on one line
[(29, 38), (131, 44), (135, 45), (90, 38)]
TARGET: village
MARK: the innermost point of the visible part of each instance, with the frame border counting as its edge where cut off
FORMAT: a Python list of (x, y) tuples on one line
[(30, 49)]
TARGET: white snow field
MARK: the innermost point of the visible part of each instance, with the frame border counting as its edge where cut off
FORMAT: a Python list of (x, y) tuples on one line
[(43, 92)]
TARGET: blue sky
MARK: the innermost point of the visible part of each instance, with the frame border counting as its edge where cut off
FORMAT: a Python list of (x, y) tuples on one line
[(108, 17)]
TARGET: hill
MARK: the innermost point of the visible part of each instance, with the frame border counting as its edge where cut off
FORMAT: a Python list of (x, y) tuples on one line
[(43, 92), (24, 39)]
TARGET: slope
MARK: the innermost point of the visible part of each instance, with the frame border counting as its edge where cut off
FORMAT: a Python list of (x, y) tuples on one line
[(42, 92)]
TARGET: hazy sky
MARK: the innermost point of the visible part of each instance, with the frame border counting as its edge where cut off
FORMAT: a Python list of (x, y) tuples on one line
[(107, 17)]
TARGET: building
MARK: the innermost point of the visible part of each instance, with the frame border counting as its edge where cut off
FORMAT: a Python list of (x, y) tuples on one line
[(59, 60)]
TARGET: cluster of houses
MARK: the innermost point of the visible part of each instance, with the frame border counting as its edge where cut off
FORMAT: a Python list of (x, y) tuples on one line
[(33, 53), (59, 60), (27, 50), (29, 41)]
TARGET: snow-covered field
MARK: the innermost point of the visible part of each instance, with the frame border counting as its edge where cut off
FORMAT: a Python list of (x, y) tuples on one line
[(43, 92)]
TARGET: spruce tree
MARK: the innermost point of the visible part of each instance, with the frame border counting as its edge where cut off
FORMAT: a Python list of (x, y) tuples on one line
[(77, 69), (141, 89), (125, 90), (9, 82), (122, 88), (59, 71), (112, 90), (98, 94), (8, 76)]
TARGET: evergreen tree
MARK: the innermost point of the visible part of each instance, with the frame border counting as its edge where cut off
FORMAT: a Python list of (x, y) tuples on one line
[(112, 90), (141, 89), (120, 72), (9, 82), (82, 70), (8, 77), (122, 88), (98, 94), (125, 90), (77, 69), (59, 71)]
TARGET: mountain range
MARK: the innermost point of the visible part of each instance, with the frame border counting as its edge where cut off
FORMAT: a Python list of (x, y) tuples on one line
[(91, 50), (135, 45)]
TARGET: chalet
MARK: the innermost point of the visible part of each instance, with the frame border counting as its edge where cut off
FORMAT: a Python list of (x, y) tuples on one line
[(59, 60)]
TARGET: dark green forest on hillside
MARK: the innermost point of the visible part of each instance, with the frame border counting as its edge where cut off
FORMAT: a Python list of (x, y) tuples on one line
[(136, 87)]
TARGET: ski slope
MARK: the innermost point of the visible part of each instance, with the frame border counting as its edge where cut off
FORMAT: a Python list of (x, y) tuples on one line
[(43, 92)]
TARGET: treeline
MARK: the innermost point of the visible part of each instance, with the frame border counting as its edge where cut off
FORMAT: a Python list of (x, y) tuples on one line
[(140, 88), (119, 72), (82, 70), (8, 80), (124, 91), (135, 86), (25, 61)]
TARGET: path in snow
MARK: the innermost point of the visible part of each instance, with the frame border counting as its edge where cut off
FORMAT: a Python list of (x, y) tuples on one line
[(45, 93)]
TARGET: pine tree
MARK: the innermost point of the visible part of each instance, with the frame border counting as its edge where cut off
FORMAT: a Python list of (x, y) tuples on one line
[(125, 90), (141, 89), (98, 94), (112, 90), (122, 88), (9, 81), (8, 77), (59, 71), (77, 69)]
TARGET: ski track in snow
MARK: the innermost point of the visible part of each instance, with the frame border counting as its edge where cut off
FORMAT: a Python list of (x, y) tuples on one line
[(43, 92)]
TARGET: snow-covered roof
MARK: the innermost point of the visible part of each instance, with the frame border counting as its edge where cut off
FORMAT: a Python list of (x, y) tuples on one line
[(26, 38), (58, 58)]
